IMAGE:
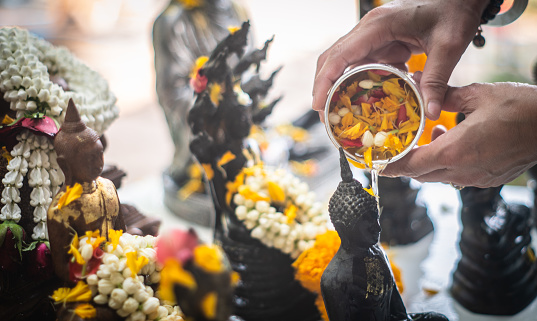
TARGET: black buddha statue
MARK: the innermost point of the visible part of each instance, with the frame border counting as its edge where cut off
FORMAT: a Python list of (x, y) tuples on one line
[(497, 272), (358, 283)]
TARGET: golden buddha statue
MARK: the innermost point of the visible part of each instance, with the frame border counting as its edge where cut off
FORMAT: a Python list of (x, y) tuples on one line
[(86, 202)]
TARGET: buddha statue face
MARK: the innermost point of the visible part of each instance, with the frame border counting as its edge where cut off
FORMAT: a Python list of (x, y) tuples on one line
[(353, 211), (79, 149), (87, 164)]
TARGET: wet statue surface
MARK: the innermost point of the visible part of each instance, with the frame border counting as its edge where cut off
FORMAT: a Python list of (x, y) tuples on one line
[(497, 272), (80, 156), (358, 284)]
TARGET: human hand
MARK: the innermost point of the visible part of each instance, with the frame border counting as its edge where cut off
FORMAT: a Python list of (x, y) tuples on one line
[(495, 143), (389, 34)]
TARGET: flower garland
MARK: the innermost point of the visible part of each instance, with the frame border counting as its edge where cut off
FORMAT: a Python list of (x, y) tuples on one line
[(278, 208), (120, 274), (28, 66), (34, 157)]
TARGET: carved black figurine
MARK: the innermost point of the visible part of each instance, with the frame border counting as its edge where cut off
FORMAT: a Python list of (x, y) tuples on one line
[(267, 290), (497, 273), (358, 283)]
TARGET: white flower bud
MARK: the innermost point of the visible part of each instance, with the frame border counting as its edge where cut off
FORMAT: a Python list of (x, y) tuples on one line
[(334, 118), (258, 232), (154, 277), (110, 258), (162, 312), (122, 313), (249, 203), (100, 299), (367, 139), (130, 305), (380, 138), (357, 110), (122, 264), (262, 206), (284, 229), (238, 199), (137, 316), (119, 295), (92, 279), (343, 111), (366, 84), (127, 272), (131, 285), (116, 305), (150, 305), (253, 215), (141, 295), (86, 252), (241, 212), (279, 242), (149, 290), (105, 286), (153, 315)]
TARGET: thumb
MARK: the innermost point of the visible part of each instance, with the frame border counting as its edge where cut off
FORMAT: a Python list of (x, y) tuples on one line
[(433, 82)]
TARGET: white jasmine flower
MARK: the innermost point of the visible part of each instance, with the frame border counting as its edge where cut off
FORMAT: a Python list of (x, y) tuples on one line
[(130, 305)]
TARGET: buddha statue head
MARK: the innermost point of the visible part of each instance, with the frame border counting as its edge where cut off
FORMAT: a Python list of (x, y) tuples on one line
[(79, 149), (353, 211)]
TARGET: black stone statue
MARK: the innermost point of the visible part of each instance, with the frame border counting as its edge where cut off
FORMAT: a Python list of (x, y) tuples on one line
[(358, 283), (497, 273), (268, 290)]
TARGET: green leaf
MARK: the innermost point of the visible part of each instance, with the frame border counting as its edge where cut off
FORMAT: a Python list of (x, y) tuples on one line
[(3, 231)]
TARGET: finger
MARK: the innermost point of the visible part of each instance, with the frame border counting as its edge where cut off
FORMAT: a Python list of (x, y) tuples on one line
[(415, 163), (348, 50), (437, 131), (438, 68), (459, 99)]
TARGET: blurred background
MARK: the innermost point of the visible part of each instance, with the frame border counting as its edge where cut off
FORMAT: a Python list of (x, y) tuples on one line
[(114, 38)]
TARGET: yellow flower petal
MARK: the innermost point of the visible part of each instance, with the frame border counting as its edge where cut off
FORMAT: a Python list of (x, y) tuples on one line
[(81, 293), (71, 194), (251, 195), (276, 193), (345, 100), (191, 187), (135, 263), (416, 62), (370, 191), (226, 158), (200, 62), (209, 258), (347, 120), (215, 93), (208, 171), (78, 257), (7, 120), (86, 311), (356, 164), (368, 158), (290, 212), (392, 87), (233, 29), (114, 236), (6, 154), (235, 278), (208, 305), (173, 273), (366, 109)]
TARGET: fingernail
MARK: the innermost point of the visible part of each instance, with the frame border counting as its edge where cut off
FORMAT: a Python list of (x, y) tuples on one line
[(433, 107)]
